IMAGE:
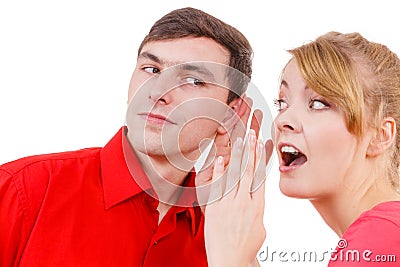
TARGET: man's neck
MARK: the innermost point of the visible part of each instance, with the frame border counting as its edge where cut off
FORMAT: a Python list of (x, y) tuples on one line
[(165, 179)]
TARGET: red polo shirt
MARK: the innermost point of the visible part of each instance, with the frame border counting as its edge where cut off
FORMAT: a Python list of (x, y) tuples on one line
[(84, 208)]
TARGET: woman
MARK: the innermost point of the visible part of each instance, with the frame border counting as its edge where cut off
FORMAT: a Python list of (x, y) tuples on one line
[(337, 136)]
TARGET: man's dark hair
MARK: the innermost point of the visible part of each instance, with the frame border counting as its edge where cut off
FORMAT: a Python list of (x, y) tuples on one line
[(191, 22)]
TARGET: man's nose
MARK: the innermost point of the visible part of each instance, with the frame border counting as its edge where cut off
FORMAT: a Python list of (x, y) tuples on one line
[(162, 88)]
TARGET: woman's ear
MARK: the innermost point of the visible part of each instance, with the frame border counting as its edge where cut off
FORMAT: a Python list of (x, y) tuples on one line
[(383, 139)]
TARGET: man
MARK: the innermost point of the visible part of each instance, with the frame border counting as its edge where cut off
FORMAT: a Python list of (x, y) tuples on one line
[(127, 204)]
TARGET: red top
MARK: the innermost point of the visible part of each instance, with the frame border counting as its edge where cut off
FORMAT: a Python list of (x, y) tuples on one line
[(372, 240), (83, 208)]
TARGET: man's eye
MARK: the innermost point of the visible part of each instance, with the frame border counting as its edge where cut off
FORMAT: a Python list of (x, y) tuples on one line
[(195, 81), (151, 69), (280, 104), (318, 104)]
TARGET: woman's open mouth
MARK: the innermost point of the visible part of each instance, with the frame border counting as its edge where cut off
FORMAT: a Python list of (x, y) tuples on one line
[(291, 156)]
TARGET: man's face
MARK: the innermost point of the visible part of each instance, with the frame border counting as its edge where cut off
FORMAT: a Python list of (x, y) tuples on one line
[(175, 98)]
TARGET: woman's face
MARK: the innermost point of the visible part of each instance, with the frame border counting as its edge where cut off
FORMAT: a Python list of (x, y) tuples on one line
[(316, 151)]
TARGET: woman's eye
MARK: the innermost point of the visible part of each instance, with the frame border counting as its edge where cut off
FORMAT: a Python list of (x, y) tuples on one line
[(151, 70), (318, 104), (280, 104), (195, 81)]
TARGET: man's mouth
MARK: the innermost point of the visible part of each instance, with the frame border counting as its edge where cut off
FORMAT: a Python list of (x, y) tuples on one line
[(291, 156), (156, 118)]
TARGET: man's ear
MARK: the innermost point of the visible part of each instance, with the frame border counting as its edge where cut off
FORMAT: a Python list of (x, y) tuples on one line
[(383, 139), (237, 108)]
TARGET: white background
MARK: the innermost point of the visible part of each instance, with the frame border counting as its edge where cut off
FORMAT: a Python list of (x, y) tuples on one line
[(65, 68)]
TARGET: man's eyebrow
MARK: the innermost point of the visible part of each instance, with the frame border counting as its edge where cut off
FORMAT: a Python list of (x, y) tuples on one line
[(198, 68), (152, 57)]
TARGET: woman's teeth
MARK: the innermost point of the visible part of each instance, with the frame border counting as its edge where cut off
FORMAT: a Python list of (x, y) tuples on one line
[(289, 149)]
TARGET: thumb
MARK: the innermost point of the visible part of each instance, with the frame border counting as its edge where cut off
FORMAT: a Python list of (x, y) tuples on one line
[(214, 189)]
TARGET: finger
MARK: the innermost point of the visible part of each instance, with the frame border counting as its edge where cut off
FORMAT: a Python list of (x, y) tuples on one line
[(240, 128), (258, 185), (261, 173), (219, 148), (216, 190), (269, 148), (224, 152), (221, 140), (248, 162), (222, 148), (204, 176), (256, 120), (234, 169), (227, 156)]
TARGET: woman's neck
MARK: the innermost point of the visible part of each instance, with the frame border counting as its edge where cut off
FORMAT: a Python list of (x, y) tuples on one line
[(339, 211)]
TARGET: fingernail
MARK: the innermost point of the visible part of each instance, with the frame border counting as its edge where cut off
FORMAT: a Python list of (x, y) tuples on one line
[(238, 143), (220, 160), (260, 145), (252, 135)]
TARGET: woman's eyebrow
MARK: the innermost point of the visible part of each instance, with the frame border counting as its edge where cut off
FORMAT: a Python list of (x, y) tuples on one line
[(284, 84)]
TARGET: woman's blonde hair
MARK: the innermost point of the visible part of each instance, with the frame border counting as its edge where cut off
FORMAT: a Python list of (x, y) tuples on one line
[(361, 77)]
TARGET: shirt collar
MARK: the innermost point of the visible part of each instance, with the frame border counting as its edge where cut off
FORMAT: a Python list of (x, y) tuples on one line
[(188, 203), (119, 184)]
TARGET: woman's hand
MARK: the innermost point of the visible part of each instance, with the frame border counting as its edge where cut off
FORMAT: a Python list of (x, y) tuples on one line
[(236, 127), (234, 228)]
